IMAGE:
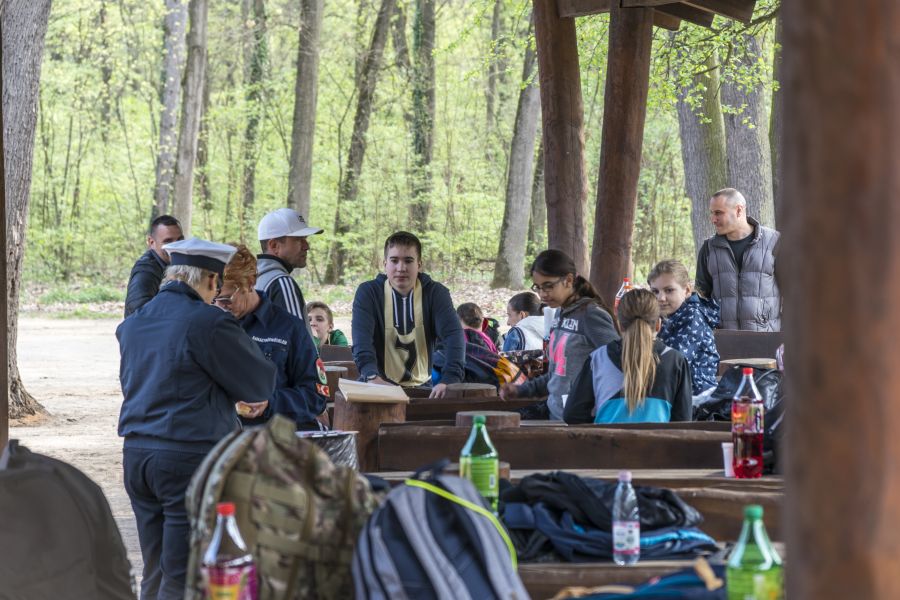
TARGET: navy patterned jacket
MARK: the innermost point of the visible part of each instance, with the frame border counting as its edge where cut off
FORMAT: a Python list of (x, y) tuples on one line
[(690, 331)]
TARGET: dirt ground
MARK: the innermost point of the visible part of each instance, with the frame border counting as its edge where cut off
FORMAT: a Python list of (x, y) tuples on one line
[(72, 367)]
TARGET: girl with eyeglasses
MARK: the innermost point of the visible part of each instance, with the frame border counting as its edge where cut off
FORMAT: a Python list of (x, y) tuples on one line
[(582, 322)]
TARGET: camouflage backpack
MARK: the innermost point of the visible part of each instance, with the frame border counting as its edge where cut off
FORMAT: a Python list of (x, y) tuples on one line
[(298, 512)]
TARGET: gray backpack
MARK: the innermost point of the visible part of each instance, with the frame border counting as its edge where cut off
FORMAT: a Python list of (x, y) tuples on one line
[(435, 539)]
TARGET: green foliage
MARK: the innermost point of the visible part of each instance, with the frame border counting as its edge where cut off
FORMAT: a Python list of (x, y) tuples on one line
[(97, 136), (84, 295)]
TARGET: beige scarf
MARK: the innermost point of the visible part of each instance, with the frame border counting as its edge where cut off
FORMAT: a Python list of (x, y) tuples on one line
[(405, 356)]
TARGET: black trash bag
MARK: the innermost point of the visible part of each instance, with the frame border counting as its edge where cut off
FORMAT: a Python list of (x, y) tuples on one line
[(718, 408), (773, 433)]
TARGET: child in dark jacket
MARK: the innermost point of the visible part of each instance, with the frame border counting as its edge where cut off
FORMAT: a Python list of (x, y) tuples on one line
[(688, 322), (636, 380)]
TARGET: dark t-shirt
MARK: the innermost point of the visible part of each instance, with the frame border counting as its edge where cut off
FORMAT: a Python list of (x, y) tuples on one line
[(738, 247)]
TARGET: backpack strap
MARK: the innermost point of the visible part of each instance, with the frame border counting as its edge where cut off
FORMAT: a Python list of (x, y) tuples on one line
[(473, 507)]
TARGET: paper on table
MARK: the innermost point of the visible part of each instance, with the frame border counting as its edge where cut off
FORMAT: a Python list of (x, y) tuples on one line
[(359, 391)]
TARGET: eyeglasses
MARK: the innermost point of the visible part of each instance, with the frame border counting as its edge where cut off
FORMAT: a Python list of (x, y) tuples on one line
[(547, 286), (224, 300)]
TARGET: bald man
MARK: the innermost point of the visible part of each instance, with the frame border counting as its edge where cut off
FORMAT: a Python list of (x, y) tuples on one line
[(736, 267)]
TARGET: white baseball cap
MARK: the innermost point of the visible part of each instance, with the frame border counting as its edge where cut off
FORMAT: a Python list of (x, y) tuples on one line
[(285, 222), (195, 252)]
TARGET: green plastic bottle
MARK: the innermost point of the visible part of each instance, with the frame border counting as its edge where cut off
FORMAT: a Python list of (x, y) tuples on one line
[(754, 569), (480, 464)]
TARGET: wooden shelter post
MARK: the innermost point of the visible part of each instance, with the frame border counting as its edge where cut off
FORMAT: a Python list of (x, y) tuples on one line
[(562, 117), (4, 297), (840, 273), (624, 110)]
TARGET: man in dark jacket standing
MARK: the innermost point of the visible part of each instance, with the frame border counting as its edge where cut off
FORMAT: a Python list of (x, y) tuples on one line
[(736, 266), (147, 272), (399, 316), (282, 238), (184, 366)]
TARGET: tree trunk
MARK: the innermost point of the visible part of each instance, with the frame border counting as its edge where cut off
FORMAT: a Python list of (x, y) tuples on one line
[(254, 81), (24, 25), (702, 147), (776, 132), (509, 268), (625, 110), (537, 226), (562, 127), (306, 90), (173, 63), (493, 69), (191, 109), (203, 187), (347, 212), (423, 113), (747, 137)]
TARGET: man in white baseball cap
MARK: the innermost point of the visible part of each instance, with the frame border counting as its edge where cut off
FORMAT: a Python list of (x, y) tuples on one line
[(282, 238)]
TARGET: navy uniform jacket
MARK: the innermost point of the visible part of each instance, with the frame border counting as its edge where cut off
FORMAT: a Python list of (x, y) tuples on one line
[(283, 339), (441, 324), (183, 365), (143, 283)]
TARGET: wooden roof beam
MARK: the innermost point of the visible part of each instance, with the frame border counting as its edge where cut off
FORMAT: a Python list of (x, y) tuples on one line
[(582, 8), (696, 11)]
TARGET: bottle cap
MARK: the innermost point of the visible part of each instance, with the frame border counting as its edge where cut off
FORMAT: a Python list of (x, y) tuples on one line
[(748, 370), (625, 476), (226, 509), (478, 420), (753, 511)]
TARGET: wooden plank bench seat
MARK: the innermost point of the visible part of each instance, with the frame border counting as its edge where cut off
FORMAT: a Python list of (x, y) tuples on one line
[(408, 446)]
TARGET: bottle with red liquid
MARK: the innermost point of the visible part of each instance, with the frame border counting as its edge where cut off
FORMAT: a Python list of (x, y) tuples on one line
[(747, 414), (229, 572), (626, 287)]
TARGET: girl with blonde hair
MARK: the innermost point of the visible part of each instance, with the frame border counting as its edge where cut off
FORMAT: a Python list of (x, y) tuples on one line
[(637, 379)]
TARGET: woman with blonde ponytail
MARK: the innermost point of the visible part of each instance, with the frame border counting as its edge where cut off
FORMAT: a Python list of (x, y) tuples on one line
[(636, 379)]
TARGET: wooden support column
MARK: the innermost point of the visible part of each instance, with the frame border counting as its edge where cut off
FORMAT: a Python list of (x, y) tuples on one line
[(624, 110), (840, 274), (562, 117), (4, 297)]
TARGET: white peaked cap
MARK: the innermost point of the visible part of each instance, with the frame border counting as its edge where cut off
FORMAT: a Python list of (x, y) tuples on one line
[(195, 252), (285, 222)]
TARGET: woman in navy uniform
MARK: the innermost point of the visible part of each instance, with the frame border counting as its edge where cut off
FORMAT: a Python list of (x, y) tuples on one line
[(184, 366), (300, 385)]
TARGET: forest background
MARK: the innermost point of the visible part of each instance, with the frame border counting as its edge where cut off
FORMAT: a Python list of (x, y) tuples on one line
[(418, 108)]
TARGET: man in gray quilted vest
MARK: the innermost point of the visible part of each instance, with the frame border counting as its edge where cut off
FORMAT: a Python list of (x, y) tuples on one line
[(736, 266)]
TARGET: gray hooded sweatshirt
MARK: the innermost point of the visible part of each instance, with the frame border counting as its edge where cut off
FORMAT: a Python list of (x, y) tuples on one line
[(578, 329)]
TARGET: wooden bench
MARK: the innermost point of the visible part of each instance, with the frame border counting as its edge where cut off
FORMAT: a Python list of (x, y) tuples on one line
[(329, 353), (424, 409), (747, 344), (407, 446)]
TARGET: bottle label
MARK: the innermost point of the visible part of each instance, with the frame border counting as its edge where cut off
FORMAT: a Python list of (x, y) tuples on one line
[(230, 583), (747, 417), (750, 584), (626, 537), (484, 473)]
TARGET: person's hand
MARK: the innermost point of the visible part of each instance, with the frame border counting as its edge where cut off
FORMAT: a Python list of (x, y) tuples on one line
[(251, 410), (380, 381), (438, 391), (508, 391)]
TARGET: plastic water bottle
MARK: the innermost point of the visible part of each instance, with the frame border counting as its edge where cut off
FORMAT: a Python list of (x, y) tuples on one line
[(480, 464), (626, 526), (229, 572), (754, 569)]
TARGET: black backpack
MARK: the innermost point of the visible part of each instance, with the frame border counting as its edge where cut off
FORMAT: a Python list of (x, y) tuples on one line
[(58, 538), (435, 538)]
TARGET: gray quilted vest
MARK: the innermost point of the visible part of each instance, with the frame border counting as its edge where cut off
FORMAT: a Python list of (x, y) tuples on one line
[(749, 296)]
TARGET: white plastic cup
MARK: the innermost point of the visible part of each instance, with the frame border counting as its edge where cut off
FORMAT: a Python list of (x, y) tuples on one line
[(728, 458)]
